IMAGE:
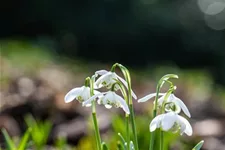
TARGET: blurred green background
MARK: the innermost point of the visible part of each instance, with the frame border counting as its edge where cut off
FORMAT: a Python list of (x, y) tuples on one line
[(49, 47)]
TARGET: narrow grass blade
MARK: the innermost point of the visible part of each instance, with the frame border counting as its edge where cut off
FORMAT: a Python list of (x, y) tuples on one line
[(24, 140), (9, 141), (198, 146)]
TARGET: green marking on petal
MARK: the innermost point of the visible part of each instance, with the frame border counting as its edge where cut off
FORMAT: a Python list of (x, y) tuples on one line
[(175, 128), (80, 99)]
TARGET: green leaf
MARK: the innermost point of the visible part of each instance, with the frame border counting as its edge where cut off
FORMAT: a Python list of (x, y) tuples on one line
[(24, 140), (9, 141), (46, 128), (104, 147), (198, 146), (40, 130)]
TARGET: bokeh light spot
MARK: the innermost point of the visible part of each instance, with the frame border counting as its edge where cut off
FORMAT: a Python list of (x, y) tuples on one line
[(216, 22), (211, 7)]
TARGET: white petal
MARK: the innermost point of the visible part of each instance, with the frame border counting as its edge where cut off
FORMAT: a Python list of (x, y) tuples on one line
[(147, 97), (93, 77), (85, 94), (123, 103), (98, 82), (97, 87), (133, 94), (155, 123), (108, 106), (180, 103), (108, 97), (101, 72), (125, 83), (168, 120), (188, 130), (92, 98), (182, 127), (72, 94), (103, 78), (96, 92), (88, 105), (99, 101)]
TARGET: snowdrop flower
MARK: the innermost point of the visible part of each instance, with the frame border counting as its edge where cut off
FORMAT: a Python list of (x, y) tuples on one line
[(108, 78), (109, 99), (79, 93), (172, 103), (171, 122)]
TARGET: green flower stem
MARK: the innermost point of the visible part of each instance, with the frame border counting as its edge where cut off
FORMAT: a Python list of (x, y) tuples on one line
[(128, 131), (161, 131), (158, 87), (97, 133), (163, 111), (133, 125), (161, 139), (130, 102), (94, 118), (127, 115), (152, 139)]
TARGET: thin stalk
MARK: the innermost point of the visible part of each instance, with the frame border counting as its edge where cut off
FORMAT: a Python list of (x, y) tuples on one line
[(133, 125), (94, 118), (161, 139), (158, 87), (123, 91), (130, 102), (152, 135), (163, 111), (97, 133), (127, 132)]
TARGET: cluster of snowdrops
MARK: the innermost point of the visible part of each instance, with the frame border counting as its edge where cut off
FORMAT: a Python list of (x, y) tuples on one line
[(167, 106)]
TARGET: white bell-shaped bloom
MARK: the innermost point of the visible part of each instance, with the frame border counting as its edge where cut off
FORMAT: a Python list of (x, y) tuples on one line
[(80, 93), (109, 99), (108, 78), (171, 122), (172, 103)]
